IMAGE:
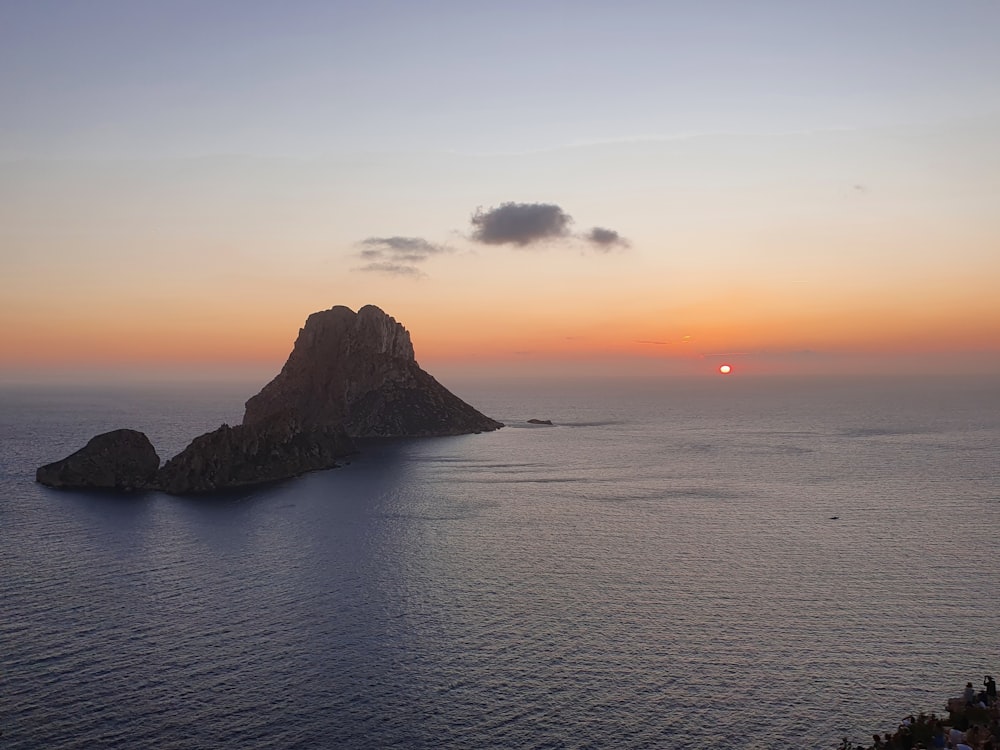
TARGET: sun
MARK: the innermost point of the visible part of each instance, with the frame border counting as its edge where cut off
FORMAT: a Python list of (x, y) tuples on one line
[(725, 369)]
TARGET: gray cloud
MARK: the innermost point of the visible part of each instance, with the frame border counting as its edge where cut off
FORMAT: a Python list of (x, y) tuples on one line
[(409, 249), (397, 255), (520, 224), (605, 239), (393, 269)]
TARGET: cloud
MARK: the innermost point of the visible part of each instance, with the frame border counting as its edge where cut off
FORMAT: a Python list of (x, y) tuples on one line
[(605, 239), (511, 223), (393, 269), (411, 249), (397, 255), (520, 224)]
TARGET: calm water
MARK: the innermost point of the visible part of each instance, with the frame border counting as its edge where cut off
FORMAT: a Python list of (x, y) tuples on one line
[(658, 569)]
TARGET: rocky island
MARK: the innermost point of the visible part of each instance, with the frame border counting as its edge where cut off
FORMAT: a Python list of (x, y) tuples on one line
[(350, 375)]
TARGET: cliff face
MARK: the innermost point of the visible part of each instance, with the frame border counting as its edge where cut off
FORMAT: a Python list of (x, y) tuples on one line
[(359, 370), (349, 375)]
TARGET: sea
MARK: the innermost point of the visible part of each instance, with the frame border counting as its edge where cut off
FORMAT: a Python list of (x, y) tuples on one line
[(724, 562)]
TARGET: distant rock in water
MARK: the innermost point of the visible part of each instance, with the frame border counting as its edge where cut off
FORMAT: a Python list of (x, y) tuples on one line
[(540, 421), (350, 375), (116, 460)]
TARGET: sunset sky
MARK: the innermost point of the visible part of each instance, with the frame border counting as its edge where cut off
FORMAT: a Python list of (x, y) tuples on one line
[(528, 187)]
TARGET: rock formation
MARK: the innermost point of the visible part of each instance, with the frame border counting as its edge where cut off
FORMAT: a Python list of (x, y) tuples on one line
[(350, 375), (358, 370), (242, 455), (116, 460)]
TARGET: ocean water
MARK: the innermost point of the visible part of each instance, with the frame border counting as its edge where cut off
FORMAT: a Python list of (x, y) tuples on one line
[(730, 562)]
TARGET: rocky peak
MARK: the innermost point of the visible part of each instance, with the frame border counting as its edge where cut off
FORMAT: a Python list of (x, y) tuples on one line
[(332, 334), (373, 328), (358, 370)]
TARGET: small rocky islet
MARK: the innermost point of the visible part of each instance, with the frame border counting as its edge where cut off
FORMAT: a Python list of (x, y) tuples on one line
[(349, 376)]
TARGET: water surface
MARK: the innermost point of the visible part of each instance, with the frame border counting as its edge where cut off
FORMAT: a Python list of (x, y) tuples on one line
[(659, 568)]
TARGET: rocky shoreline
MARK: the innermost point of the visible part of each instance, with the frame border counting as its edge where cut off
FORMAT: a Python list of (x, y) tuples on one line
[(973, 723)]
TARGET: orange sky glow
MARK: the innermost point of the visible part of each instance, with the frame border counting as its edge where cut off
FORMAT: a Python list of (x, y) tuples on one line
[(808, 215)]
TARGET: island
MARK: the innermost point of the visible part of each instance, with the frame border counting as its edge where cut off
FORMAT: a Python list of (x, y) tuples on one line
[(349, 375)]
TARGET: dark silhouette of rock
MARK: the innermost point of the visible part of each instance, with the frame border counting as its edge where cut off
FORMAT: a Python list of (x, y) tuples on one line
[(350, 375), (251, 454), (118, 460), (540, 421), (358, 370)]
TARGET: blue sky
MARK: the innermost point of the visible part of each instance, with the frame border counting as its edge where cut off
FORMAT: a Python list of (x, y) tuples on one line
[(152, 79)]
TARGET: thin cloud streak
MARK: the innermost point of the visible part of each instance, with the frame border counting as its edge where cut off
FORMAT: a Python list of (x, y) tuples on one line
[(409, 248), (392, 269), (397, 256)]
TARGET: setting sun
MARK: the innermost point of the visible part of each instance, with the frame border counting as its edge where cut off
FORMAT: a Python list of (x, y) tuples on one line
[(725, 369)]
